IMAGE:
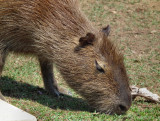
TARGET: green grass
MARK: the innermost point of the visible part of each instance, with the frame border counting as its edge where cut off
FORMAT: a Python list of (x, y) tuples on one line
[(135, 28)]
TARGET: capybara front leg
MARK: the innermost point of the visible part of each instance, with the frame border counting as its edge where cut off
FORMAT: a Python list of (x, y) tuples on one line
[(48, 77)]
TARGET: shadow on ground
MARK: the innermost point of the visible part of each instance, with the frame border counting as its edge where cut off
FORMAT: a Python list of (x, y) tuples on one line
[(20, 90)]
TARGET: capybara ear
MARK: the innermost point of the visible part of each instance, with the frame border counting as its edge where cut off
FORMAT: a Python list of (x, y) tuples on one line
[(87, 40), (106, 30), (84, 41)]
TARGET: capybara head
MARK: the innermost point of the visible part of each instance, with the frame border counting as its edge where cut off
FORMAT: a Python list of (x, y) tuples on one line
[(104, 81)]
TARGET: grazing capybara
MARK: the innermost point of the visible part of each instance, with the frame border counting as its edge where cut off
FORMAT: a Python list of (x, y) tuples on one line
[(56, 31)]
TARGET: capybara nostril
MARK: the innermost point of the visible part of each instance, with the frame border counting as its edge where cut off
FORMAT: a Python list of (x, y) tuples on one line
[(122, 108)]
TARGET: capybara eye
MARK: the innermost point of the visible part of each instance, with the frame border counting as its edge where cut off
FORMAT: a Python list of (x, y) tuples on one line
[(99, 68)]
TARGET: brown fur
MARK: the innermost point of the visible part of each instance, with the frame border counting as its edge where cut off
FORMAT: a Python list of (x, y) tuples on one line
[(52, 30)]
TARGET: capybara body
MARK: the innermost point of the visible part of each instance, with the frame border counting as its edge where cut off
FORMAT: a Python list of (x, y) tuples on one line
[(56, 31)]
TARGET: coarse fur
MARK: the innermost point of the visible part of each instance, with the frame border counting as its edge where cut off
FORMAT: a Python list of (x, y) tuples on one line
[(56, 31)]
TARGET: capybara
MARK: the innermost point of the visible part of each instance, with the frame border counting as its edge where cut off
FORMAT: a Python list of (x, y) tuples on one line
[(56, 31)]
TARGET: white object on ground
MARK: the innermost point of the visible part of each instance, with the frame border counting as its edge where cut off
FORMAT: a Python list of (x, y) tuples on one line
[(143, 92), (9, 112)]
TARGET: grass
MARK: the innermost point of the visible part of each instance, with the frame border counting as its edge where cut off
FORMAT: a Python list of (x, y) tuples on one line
[(135, 28)]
